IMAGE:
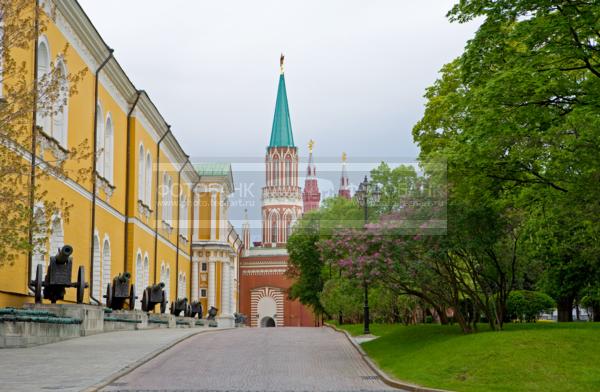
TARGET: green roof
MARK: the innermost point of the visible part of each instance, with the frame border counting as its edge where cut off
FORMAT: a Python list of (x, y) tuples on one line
[(281, 133), (214, 169)]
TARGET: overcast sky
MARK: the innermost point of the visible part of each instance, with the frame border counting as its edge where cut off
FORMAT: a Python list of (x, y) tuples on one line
[(356, 71)]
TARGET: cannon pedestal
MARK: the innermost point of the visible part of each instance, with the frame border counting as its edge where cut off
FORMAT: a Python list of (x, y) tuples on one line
[(225, 321), (186, 322), (91, 316), (125, 319), (163, 320)]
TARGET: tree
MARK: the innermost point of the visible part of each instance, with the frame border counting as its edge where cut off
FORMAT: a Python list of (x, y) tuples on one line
[(516, 118), (24, 101), (306, 265)]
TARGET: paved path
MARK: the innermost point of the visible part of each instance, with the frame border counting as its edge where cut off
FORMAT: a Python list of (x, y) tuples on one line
[(75, 364), (257, 359)]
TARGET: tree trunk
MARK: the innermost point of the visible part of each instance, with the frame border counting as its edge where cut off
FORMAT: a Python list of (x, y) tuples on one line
[(340, 319), (596, 311), (443, 318), (564, 307)]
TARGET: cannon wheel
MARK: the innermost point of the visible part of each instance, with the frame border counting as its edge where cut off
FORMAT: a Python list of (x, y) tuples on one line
[(188, 311), (80, 284), (145, 306), (109, 296), (37, 284), (172, 307), (132, 297), (163, 303)]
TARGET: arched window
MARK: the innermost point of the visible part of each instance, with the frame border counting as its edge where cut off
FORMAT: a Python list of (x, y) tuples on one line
[(288, 226), (39, 237), (99, 141), (106, 265), (183, 215), (61, 107), (274, 228), (139, 279), (141, 175), (97, 272), (109, 149), (166, 198), (276, 171), (43, 69), (146, 271), (288, 171), (168, 283), (57, 239), (148, 179)]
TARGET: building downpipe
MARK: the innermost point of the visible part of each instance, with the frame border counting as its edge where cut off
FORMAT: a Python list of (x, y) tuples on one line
[(94, 168)]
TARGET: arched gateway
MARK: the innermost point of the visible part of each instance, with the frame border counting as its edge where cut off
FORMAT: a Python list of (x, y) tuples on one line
[(267, 322)]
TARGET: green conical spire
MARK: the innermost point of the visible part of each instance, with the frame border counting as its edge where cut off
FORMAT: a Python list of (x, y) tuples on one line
[(281, 133)]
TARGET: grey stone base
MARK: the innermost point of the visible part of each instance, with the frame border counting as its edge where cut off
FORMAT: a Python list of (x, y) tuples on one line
[(225, 321), (140, 317), (91, 316), (27, 334), (163, 319), (185, 322)]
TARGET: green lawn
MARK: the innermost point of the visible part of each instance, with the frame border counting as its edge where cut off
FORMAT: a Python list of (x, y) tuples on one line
[(523, 357)]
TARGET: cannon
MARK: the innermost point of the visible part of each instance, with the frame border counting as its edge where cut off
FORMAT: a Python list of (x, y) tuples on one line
[(120, 290), (180, 305), (239, 318), (58, 278), (154, 294), (212, 312), (195, 308)]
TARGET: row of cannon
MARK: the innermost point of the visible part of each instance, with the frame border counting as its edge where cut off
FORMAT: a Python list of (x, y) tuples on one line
[(119, 294)]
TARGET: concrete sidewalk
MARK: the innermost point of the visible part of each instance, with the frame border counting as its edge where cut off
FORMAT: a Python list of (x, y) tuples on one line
[(76, 364)]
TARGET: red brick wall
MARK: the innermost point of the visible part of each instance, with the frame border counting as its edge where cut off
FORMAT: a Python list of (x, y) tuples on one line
[(295, 314)]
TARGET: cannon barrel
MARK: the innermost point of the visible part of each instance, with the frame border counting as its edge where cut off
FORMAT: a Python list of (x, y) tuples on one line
[(63, 254), (125, 276), (157, 286)]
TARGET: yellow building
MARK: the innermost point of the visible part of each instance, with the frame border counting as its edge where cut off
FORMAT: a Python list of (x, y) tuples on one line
[(216, 246), (137, 212)]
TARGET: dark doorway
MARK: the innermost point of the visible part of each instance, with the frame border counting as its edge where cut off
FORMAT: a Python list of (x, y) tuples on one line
[(267, 322)]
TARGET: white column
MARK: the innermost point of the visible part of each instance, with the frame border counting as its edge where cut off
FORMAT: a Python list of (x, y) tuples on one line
[(213, 215), (195, 262), (195, 213), (211, 282), (225, 290), (232, 289)]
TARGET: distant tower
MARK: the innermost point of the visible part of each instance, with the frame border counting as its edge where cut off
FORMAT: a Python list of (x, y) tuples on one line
[(311, 196), (344, 184), (246, 231), (281, 197)]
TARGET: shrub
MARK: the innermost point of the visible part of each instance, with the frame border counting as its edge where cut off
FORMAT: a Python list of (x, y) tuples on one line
[(527, 305), (429, 319)]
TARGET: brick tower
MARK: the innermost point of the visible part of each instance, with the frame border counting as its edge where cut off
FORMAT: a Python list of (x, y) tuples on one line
[(281, 198), (263, 281), (311, 196)]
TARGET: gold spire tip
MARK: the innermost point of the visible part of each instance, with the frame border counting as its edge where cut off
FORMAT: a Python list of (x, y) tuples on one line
[(344, 157), (311, 143), (281, 59)]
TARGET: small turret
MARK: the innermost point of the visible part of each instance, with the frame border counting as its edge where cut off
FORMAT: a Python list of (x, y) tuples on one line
[(344, 183)]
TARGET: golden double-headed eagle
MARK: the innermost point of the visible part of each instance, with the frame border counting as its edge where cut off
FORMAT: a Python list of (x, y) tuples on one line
[(311, 143)]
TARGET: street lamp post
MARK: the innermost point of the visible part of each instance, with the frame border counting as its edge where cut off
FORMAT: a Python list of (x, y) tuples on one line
[(367, 191)]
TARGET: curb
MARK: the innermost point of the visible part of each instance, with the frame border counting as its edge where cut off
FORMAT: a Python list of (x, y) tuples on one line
[(384, 377), (136, 364)]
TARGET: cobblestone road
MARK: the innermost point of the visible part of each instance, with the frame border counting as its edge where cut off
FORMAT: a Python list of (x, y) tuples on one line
[(257, 359), (75, 364)]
